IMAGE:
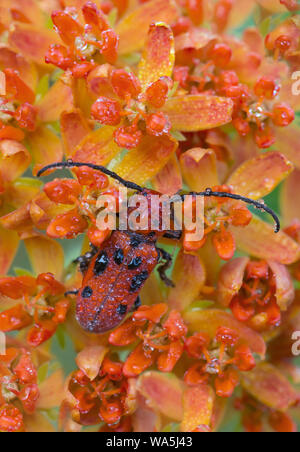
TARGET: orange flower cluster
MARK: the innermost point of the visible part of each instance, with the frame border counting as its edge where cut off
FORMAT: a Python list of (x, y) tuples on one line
[(175, 96)]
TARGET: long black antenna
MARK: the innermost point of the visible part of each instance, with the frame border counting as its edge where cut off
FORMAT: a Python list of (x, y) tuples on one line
[(71, 164), (258, 205), (131, 185)]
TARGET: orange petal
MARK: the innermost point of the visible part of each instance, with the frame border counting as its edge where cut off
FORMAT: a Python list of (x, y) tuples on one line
[(46, 255), (258, 239), (198, 405), (31, 42), (14, 60), (133, 28), (285, 291), (195, 38), (163, 392), (288, 141), (73, 129), (42, 210), (138, 361), (231, 279), (14, 160), (199, 168), (145, 419), (259, 176), (45, 147), (58, 99), (189, 277), (98, 147), (289, 198), (145, 161), (31, 9), (159, 55), (51, 391), (209, 321), (2, 84), (192, 113), (90, 359), (9, 242), (169, 180), (270, 387)]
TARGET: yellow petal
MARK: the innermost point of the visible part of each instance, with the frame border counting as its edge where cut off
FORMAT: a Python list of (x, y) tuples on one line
[(58, 99), (159, 55), (288, 141), (259, 240), (46, 255), (90, 359), (189, 277), (9, 242), (257, 177), (289, 200), (285, 291), (208, 321), (169, 180), (21, 191), (231, 279), (97, 147), (45, 146), (73, 129), (144, 162), (269, 387), (37, 423), (199, 168), (51, 391), (198, 403), (14, 160), (133, 28), (192, 113)]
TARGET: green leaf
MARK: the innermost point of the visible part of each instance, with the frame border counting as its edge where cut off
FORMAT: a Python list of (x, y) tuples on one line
[(43, 372), (112, 17), (22, 272), (178, 135), (201, 304), (60, 334)]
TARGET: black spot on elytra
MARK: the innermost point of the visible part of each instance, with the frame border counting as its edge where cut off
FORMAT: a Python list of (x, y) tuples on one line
[(122, 309), (135, 241), (138, 280), (119, 256), (137, 303), (101, 263), (134, 263), (87, 292)]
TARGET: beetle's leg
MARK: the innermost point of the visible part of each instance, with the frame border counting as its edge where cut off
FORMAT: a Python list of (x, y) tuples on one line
[(174, 235), (163, 267), (137, 304), (84, 260), (71, 292)]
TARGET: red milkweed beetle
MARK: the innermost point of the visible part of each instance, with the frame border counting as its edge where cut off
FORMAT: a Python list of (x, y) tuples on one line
[(114, 275)]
